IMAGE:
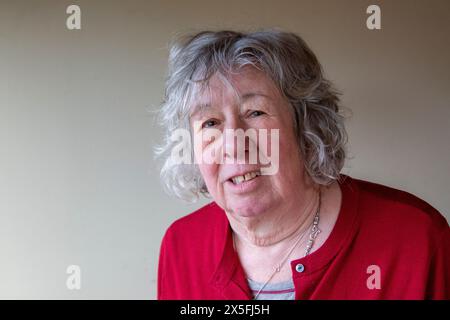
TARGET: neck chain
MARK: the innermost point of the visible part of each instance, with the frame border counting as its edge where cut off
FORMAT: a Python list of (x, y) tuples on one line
[(312, 237)]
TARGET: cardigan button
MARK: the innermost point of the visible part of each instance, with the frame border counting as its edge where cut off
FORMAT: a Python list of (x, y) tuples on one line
[(299, 268)]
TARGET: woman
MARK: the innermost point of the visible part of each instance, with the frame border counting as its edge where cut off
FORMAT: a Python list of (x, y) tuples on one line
[(301, 230)]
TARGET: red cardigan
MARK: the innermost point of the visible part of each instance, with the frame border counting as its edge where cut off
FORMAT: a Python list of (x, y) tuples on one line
[(386, 244)]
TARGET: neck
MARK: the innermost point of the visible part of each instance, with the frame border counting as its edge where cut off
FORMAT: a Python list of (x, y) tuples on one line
[(270, 228)]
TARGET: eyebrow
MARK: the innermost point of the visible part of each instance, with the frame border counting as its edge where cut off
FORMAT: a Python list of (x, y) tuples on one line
[(199, 107), (243, 98), (251, 95)]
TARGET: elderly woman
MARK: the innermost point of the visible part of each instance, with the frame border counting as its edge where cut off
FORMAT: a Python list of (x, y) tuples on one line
[(294, 229)]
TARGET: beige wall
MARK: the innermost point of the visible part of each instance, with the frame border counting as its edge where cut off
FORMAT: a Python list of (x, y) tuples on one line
[(78, 184)]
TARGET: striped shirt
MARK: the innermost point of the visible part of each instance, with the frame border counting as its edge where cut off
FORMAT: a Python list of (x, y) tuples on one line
[(273, 291)]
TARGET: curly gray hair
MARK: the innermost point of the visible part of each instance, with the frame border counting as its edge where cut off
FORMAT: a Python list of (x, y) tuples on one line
[(291, 65)]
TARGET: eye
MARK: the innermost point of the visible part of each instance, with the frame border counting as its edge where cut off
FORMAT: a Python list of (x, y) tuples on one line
[(256, 113), (209, 123)]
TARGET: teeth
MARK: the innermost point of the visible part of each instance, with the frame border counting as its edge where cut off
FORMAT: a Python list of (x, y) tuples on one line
[(238, 179), (246, 177), (250, 175)]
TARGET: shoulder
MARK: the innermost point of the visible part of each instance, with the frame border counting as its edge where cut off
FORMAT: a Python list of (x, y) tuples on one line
[(210, 220), (190, 250), (398, 211), (206, 216)]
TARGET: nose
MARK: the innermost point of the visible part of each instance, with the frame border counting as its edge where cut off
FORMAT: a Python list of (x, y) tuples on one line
[(235, 141)]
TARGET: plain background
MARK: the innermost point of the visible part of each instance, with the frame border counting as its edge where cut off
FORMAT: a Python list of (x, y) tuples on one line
[(78, 182)]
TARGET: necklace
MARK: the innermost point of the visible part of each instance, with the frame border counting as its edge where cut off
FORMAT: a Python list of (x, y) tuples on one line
[(312, 237)]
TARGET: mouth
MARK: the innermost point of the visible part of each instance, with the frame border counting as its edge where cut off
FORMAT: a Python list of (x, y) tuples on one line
[(236, 180)]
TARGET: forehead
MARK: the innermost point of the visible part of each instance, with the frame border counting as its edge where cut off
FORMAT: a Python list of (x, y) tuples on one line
[(249, 82)]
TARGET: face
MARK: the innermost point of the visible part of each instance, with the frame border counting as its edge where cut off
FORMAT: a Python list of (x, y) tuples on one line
[(252, 101)]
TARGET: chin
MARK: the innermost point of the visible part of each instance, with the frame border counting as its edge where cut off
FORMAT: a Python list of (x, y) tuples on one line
[(246, 209)]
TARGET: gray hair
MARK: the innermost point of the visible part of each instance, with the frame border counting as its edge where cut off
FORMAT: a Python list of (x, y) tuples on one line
[(295, 70)]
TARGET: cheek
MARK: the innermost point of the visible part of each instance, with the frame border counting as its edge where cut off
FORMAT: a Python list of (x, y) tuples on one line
[(291, 163), (209, 173), (289, 147)]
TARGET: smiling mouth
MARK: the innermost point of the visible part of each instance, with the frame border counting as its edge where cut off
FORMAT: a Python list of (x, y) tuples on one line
[(246, 177)]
